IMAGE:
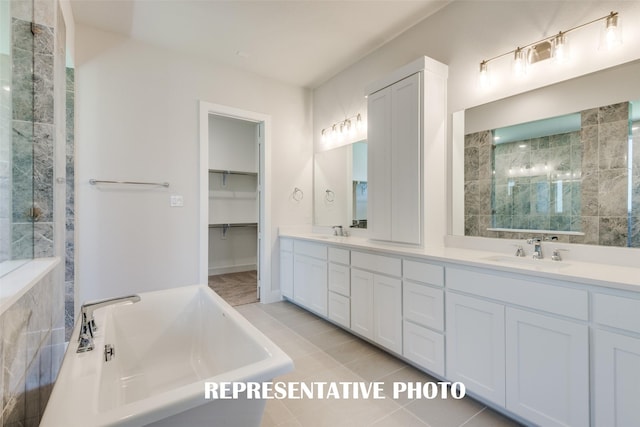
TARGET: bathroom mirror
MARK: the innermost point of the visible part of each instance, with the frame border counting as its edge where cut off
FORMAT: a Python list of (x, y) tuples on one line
[(340, 186), (562, 160)]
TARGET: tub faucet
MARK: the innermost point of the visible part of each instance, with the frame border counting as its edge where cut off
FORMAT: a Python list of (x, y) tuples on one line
[(88, 326)]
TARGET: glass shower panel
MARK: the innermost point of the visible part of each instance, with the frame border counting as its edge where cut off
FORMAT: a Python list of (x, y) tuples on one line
[(18, 213)]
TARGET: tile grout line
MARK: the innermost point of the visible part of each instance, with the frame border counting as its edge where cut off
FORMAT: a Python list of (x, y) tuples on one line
[(473, 416)]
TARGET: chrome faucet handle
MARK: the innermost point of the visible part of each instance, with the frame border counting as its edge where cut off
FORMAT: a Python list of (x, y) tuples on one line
[(519, 251), (556, 254)]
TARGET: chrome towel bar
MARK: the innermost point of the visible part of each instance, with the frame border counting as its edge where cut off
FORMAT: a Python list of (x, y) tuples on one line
[(100, 181)]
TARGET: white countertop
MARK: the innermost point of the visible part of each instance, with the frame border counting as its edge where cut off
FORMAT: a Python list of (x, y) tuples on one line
[(588, 273)]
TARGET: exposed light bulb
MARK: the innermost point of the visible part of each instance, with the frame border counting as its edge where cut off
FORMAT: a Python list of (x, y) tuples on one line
[(611, 36), (483, 77), (560, 48), (519, 63)]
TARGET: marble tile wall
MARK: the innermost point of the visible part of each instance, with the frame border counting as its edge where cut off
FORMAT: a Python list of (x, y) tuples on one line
[(31, 349), (70, 205), (33, 329), (590, 164), (5, 156)]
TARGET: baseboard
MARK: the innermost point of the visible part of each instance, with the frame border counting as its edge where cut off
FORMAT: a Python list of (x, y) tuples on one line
[(214, 271)]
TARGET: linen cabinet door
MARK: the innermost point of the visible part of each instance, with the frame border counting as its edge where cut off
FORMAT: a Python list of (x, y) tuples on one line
[(378, 164), (475, 345), (547, 369)]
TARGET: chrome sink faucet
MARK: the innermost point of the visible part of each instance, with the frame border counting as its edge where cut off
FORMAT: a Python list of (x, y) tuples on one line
[(88, 326), (537, 247), (338, 230)]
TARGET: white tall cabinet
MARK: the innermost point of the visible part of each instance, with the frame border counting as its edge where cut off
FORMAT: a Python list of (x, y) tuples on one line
[(406, 117)]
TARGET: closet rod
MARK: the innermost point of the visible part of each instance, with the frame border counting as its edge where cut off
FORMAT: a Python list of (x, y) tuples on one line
[(100, 181)]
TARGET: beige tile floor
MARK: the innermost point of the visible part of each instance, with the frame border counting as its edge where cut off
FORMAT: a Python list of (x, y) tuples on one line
[(323, 352)]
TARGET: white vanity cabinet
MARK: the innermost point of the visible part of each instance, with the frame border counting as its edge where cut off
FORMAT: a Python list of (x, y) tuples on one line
[(405, 145), (310, 276), (393, 143), (339, 297), (423, 314), (616, 359), (376, 299), (521, 344), (286, 267)]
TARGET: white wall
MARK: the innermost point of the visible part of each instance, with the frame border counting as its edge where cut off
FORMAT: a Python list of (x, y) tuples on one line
[(464, 33), (137, 119)]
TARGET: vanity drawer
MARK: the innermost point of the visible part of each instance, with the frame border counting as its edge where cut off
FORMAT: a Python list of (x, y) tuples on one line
[(522, 291), (423, 305), (424, 347), (341, 256), (377, 263), (423, 272), (314, 250), (340, 309), (339, 279), (617, 311)]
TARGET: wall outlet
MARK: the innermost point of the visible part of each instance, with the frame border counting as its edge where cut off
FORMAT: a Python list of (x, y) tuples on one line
[(176, 201)]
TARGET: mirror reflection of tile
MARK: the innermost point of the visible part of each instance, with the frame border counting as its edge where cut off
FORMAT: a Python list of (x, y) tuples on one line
[(575, 183)]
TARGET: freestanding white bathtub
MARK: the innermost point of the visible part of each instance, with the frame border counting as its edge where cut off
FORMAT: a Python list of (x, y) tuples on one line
[(167, 346)]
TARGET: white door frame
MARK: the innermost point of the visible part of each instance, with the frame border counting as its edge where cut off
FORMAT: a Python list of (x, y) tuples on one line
[(264, 171)]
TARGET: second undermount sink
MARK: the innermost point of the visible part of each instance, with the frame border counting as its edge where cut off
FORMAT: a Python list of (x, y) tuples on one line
[(541, 264)]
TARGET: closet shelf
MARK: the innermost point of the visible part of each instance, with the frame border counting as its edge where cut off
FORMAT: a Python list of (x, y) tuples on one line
[(232, 225), (230, 172)]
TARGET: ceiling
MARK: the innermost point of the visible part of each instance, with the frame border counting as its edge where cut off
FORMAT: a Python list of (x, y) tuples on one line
[(300, 42)]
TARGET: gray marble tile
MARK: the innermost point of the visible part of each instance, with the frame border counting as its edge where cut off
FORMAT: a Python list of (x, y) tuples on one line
[(43, 239), (43, 161), (485, 162), (613, 113), (22, 85), (43, 110), (43, 39), (589, 193), (539, 222), (21, 35), (613, 145), (484, 197), (22, 240), (589, 117), (612, 193), (471, 198), (591, 230), (471, 225), (590, 149), (560, 223), (635, 231), (471, 163), (613, 231)]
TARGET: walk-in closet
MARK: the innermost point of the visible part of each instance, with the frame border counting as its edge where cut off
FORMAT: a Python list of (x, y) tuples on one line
[(233, 208)]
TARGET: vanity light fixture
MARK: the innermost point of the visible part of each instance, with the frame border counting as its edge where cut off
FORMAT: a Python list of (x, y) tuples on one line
[(555, 47), (339, 131)]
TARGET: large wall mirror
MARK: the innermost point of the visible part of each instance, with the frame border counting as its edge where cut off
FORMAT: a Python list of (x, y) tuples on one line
[(340, 186), (563, 160)]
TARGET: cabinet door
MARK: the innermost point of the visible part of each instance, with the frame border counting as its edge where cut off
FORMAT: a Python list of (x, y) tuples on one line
[(424, 347), (406, 189), (286, 274), (310, 283), (362, 302), (547, 369), (339, 279), (475, 345), (387, 312), (616, 379), (339, 309), (378, 164)]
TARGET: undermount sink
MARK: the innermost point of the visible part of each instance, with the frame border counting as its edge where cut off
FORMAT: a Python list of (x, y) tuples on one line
[(541, 264)]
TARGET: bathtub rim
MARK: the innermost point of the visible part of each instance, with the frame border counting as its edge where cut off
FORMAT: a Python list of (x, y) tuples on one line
[(71, 404)]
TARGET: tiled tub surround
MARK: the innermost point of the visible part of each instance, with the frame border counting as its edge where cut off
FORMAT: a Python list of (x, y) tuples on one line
[(583, 190), (32, 342), (524, 301)]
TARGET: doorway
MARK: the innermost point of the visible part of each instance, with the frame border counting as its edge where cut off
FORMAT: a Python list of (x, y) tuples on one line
[(234, 212)]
